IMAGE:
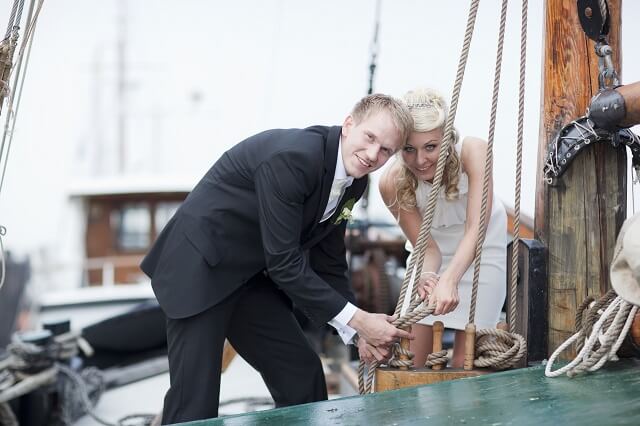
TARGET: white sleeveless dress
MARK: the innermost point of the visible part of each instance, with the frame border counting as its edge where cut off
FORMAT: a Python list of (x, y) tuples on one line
[(447, 230)]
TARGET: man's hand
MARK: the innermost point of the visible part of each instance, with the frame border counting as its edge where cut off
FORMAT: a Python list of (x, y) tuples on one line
[(376, 329), (369, 354)]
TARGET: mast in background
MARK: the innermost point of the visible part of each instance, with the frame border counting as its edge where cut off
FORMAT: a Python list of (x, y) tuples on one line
[(122, 87)]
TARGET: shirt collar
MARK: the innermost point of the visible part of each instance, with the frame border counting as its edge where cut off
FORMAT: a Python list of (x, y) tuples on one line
[(341, 172)]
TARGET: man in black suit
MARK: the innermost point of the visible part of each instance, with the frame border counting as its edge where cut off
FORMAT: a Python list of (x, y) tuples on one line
[(263, 231)]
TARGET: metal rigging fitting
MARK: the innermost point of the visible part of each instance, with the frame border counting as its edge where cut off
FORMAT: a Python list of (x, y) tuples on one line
[(607, 75), (594, 20), (575, 136), (607, 114)]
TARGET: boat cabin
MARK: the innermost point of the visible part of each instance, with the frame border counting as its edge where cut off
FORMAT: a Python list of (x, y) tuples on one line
[(122, 218)]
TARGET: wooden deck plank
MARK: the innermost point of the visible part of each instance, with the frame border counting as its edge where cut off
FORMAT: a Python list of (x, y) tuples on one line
[(519, 397)]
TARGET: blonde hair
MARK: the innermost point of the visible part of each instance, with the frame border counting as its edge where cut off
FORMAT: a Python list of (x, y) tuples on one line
[(400, 114), (429, 111)]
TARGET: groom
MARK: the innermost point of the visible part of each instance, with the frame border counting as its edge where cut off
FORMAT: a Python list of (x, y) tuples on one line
[(263, 231)]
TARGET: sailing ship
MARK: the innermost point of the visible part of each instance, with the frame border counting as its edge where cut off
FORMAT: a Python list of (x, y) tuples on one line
[(568, 261), (113, 248)]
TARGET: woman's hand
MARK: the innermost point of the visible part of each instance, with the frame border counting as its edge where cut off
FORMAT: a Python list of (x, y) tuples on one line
[(369, 354), (445, 296), (427, 283)]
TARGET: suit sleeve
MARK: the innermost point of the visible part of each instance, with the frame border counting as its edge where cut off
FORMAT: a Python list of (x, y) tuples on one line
[(281, 187), (329, 260)]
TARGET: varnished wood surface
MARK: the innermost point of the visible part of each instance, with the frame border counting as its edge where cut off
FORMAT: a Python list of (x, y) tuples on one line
[(393, 378), (631, 95)]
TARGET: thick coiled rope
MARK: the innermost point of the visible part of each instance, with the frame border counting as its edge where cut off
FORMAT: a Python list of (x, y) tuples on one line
[(602, 338), (498, 349)]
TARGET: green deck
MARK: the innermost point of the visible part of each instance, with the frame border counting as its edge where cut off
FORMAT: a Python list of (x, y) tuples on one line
[(610, 396)]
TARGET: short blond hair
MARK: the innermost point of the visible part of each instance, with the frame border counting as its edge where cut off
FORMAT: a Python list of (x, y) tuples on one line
[(400, 114), (429, 111)]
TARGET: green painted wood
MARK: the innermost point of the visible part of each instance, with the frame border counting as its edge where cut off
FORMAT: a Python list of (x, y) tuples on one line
[(519, 397)]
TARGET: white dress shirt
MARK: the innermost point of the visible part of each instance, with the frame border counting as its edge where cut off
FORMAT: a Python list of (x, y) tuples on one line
[(340, 183)]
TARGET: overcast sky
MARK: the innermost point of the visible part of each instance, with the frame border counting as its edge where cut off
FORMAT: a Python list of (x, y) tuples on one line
[(203, 75)]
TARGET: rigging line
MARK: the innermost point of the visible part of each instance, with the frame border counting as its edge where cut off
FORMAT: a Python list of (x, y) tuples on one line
[(3, 264), (12, 18), (603, 9), (31, 24), (488, 164), (424, 234), (515, 247), (374, 47), (20, 75), (634, 182)]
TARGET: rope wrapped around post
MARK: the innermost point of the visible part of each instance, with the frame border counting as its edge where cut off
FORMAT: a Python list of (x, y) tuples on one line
[(415, 313), (437, 358), (602, 337)]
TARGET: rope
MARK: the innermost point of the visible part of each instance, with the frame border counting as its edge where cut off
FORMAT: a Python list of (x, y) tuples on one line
[(515, 246), (18, 83), (488, 164), (32, 19), (602, 342), (498, 349), (417, 310), (14, 17), (424, 235), (30, 367), (580, 317), (374, 47), (415, 313), (603, 9), (29, 383), (437, 358), (3, 264)]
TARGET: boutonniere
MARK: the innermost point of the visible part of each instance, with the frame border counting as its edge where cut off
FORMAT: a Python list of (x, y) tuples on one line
[(347, 211)]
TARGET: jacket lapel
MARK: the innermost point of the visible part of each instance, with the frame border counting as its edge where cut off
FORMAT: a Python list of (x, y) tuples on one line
[(354, 191), (330, 159)]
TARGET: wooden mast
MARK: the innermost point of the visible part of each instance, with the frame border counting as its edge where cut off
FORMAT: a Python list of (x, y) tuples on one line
[(579, 218)]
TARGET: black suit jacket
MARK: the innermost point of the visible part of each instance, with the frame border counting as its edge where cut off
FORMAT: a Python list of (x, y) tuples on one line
[(258, 209)]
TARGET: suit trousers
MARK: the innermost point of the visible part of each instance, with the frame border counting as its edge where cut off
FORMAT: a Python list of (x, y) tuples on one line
[(258, 321)]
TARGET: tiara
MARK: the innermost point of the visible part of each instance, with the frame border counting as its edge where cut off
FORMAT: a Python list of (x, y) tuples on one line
[(429, 104)]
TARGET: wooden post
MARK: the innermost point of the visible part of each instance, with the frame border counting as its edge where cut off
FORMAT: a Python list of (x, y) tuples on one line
[(438, 331), (531, 298), (579, 218), (404, 344), (469, 346)]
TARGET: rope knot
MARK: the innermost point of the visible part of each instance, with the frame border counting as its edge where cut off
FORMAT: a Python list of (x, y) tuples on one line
[(437, 358), (399, 351), (498, 349)]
